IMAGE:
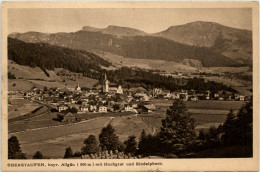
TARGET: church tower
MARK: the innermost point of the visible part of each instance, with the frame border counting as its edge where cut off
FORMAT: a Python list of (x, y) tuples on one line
[(106, 85)]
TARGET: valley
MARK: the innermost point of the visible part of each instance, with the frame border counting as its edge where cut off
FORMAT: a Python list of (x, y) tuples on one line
[(63, 87)]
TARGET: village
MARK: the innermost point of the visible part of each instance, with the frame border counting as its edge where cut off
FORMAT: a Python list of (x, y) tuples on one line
[(72, 104)]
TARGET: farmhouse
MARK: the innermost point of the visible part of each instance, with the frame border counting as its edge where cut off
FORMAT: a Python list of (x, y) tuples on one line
[(102, 109), (69, 117), (128, 108), (148, 108), (84, 108), (183, 96), (62, 108)]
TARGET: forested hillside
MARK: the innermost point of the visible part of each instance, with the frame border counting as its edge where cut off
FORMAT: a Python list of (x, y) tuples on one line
[(49, 57)]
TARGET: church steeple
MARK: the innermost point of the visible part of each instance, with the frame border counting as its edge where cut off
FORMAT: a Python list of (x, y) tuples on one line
[(106, 85)]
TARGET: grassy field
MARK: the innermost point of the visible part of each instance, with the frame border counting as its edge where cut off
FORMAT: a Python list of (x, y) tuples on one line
[(47, 120), (53, 141), (20, 107), (168, 66), (201, 104), (21, 84), (206, 113), (27, 77), (44, 120)]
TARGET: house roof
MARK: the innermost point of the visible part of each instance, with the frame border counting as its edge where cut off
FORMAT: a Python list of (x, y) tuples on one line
[(69, 115), (150, 107), (114, 85)]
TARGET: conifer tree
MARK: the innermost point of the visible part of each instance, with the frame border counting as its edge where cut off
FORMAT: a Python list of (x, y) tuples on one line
[(108, 138), (68, 153), (91, 145), (38, 155), (131, 145), (229, 129), (178, 129), (14, 149)]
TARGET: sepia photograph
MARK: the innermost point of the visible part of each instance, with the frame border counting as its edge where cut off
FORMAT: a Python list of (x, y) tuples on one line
[(129, 83)]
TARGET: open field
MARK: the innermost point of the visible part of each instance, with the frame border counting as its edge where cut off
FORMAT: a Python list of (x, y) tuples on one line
[(168, 66), (27, 77), (26, 72), (21, 84), (46, 120), (202, 104), (206, 113), (20, 107), (58, 138), (26, 85)]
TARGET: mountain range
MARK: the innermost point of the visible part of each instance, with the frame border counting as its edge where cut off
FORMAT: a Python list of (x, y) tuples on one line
[(209, 43)]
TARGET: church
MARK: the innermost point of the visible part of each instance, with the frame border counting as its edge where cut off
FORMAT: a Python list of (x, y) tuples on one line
[(111, 88)]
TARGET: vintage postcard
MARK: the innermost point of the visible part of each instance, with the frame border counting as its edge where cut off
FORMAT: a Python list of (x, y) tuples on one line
[(130, 86)]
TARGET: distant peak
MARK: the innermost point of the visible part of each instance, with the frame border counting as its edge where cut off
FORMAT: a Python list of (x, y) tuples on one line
[(91, 29)]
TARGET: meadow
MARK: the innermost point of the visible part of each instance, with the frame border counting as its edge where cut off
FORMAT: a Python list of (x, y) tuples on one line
[(206, 113), (52, 141), (19, 107)]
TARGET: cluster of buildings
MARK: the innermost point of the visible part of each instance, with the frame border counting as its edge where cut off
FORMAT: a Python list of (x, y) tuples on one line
[(193, 95), (69, 101)]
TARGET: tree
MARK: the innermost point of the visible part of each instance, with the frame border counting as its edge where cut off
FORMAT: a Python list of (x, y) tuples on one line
[(142, 144), (244, 125), (38, 155), (178, 129), (238, 130), (131, 145), (91, 145), (45, 89), (149, 144), (108, 139), (73, 110), (229, 128), (11, 76), (116, 107), (14, 149), (68, 153)]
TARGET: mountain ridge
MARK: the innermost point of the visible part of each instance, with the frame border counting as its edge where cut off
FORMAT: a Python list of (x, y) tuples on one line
[(235, 44)]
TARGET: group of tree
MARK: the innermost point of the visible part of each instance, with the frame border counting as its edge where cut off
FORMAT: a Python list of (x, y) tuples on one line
[(11, 76), (129, 77)]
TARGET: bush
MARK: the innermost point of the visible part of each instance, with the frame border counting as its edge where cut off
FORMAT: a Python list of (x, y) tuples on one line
[(38, 155), (68, 153)]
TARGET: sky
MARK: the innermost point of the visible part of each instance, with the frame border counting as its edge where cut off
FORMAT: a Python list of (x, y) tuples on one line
[(148, 20)]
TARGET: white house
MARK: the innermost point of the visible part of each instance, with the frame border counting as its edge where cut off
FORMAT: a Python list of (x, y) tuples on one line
[(128, 108), (62, 108), (102, 109), (84, 108)]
